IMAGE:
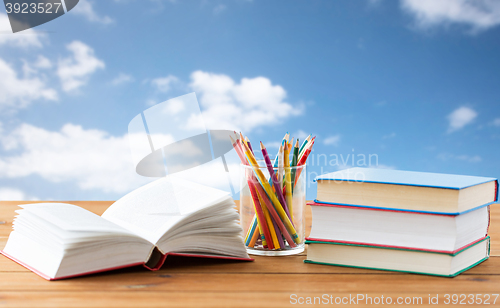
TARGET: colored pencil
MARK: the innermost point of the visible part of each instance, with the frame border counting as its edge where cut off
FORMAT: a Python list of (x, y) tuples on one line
[(275, 215), (304, 143), (254, 238), (272, 197), (251, 230), (275, 163), (261, 219), (303, 160), (277, 188), (238, 150), (261, 222), (247, 141), (262, 179), (269, 223), (294, 162), (288, 181), (281, 165), (273, 229)]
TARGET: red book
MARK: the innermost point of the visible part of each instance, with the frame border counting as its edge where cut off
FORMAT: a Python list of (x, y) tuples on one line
[(57, 240), (157, 266)]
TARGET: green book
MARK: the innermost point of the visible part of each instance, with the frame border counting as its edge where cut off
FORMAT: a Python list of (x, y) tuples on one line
[(398, 259)]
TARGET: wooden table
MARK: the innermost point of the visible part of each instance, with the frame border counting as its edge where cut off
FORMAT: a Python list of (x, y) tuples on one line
[(267, 282)]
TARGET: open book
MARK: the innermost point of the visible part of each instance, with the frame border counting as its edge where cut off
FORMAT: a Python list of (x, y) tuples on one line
[(167, 216)]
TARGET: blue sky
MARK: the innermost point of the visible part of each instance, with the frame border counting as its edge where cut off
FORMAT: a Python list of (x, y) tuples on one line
[(414, 82)]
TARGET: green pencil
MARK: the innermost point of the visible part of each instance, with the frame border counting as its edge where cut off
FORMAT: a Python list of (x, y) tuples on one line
[(294, 161)]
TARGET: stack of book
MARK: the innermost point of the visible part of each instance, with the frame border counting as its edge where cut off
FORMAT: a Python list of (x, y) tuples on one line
[(426, 223)]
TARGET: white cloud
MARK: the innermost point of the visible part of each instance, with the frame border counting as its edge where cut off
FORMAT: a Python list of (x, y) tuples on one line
[(460, 117), (174, 106), (332, 140), (13, 194), (43, 63), (85, 8), (90, 158), (74, 71), (164, 84), (272, 144), (121, 79), (27, 38), (302, 135), (17, 92), (254, 102), (496, 122), (478, 14)]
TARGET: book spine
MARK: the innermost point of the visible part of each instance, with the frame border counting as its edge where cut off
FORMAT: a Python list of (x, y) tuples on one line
[(489, 220), (155, 260), (497, 193), (161, 259), (367, 207), (379, 246)]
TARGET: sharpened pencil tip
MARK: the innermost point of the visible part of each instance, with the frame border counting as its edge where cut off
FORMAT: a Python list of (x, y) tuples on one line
[(262, 146)]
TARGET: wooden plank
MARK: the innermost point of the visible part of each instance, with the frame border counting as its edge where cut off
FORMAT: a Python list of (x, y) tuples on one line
[(289, 264), (494, 230), (140, 298), (242, 282)]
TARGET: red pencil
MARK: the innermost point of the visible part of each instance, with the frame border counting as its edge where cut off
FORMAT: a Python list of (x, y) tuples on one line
[(275, 215), (257, 206), (274, 179), (303, 160)]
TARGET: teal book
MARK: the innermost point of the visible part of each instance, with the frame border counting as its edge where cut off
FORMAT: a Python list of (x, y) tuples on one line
[(423, 192), (397, 259)]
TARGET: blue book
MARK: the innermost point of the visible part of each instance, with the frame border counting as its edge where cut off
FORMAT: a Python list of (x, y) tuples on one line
[(407, 190)]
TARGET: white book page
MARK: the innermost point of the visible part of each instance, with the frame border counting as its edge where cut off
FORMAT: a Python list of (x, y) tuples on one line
[(73, 218), (153, 209)]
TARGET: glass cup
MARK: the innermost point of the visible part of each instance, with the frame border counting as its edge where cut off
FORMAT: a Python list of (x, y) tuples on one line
[(264, 218)]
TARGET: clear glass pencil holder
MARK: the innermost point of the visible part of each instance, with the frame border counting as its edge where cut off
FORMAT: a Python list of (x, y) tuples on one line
[(273, 223)]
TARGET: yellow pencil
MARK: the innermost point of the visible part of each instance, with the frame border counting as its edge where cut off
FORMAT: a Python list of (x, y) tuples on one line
[(242, 139), (270, 225), (281, 164), (277, 205), (288, 181)]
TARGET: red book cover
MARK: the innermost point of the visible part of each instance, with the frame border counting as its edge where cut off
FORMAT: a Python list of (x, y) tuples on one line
[(395, 247), (153, 267)]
